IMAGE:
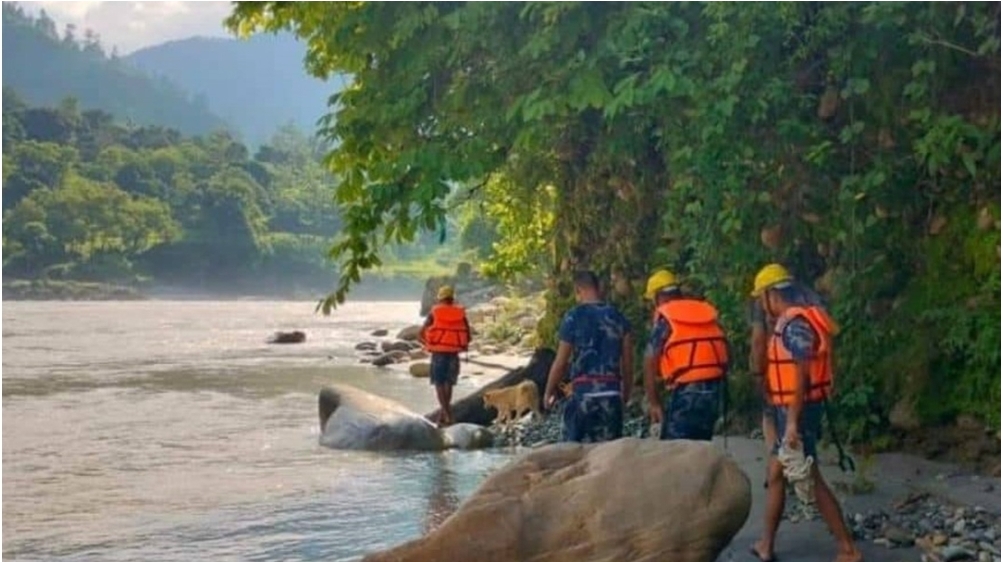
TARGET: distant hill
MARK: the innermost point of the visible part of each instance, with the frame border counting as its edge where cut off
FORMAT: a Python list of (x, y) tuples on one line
[(258, 84), (45, 68)]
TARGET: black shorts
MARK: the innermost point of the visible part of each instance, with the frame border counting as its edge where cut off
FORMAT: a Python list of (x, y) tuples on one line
[(444, 368)]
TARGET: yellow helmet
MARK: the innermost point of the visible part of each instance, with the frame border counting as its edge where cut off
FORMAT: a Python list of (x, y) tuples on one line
[(660, 280), (770, 276), (445, 292)]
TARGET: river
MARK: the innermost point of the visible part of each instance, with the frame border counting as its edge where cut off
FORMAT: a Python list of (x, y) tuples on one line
[(170, 430)]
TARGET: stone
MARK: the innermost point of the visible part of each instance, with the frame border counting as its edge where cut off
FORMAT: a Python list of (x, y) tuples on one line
[(410, 333), (417, 354), (395, 346), (629, 499), (366, 346), (379, 333), (390, 357), (959, 527), (898, 536), (420, 369), (939, 539), (955, 554), (354, 419), (288, 337)]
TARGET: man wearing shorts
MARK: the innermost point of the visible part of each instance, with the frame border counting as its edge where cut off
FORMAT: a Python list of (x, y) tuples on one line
[(445, 334)]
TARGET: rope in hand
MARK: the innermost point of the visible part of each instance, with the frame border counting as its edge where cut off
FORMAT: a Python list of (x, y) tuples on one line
[(797, 469)]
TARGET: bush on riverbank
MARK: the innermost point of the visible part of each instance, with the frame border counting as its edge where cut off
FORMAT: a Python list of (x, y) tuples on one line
[(67, 290)]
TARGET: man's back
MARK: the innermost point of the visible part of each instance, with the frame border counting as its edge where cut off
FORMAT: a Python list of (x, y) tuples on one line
[(596, 332)]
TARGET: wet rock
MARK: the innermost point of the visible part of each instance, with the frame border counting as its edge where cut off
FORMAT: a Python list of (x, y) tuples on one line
[(418, 354), (288, 337), (366, 346), (379, 333), (395, 346), (390, 357), (410, 333)]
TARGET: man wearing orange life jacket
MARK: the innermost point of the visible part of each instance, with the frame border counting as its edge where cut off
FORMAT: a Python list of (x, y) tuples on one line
[(799, 376), (445, 334), (688, 352)]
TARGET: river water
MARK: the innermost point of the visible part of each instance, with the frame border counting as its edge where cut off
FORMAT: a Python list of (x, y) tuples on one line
[(160, 430)]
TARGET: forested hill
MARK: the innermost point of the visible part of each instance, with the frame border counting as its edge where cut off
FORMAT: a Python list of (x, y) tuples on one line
[(45, 67), (258, 84), (86, 198)]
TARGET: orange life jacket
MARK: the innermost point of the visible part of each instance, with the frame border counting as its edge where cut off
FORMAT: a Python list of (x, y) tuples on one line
[(782, 372), (448, 332), (696, 349)]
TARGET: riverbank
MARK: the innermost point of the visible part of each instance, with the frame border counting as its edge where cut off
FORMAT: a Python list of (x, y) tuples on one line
[(43, 290)]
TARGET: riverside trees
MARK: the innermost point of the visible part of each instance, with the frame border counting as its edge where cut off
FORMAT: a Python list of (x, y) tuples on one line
[(857, 142)]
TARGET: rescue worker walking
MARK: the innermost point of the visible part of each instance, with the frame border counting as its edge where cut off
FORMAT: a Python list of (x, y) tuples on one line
[(595, 339), (688, 352), (799, 377), (444, 335)]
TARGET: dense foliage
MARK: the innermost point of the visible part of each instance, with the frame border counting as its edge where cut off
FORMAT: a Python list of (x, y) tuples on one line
[(87, 198), (45, 66), (857, 142)]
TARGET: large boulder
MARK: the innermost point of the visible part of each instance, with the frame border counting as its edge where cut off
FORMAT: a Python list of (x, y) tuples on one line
[(354, 419), (630, 500)]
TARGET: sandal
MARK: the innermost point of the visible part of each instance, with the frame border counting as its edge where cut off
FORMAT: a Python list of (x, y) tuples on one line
[(756, 554)]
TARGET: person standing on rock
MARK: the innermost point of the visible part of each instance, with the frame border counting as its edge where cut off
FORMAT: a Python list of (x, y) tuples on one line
[(688, 352), (444, 335), (799, 376), (595, 342)]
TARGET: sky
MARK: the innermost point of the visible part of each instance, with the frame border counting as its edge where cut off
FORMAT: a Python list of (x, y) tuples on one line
[(133, 25)]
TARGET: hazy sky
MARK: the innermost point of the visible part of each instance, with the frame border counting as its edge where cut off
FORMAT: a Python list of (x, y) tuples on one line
[(134, 25)]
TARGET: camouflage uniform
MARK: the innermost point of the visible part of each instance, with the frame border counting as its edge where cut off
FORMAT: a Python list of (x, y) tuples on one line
[(594, 412)]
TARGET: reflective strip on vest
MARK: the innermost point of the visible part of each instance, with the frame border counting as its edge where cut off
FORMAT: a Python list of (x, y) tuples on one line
[(696, 349), (782, 369), (448, 332)]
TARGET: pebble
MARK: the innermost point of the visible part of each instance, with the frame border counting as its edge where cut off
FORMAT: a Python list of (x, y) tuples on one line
[(942, 532)]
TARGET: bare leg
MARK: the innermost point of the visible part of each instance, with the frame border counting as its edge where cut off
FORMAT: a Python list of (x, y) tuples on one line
[(764, 548), (448, 399), (830, 511), (444, 403), (769, 438)]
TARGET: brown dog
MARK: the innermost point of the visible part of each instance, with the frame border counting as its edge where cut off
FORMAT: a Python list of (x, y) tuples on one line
[(512, 402)]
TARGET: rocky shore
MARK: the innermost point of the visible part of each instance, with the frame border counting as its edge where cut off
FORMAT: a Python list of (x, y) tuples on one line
[(941, 530), (504, 335)]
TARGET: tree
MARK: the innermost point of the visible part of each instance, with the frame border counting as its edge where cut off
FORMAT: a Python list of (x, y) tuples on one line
[(709, 137)]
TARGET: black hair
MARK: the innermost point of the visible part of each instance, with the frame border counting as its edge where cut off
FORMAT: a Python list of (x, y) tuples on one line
[(586, 280)]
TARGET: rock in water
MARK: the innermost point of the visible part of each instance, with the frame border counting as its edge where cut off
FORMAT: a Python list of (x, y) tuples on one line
[(630, 500), (353, 419), (288, 337), (467, 436), (410, 333)]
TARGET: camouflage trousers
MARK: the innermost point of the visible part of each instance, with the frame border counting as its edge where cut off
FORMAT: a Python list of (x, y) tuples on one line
[(593, 417), (691, 411)]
